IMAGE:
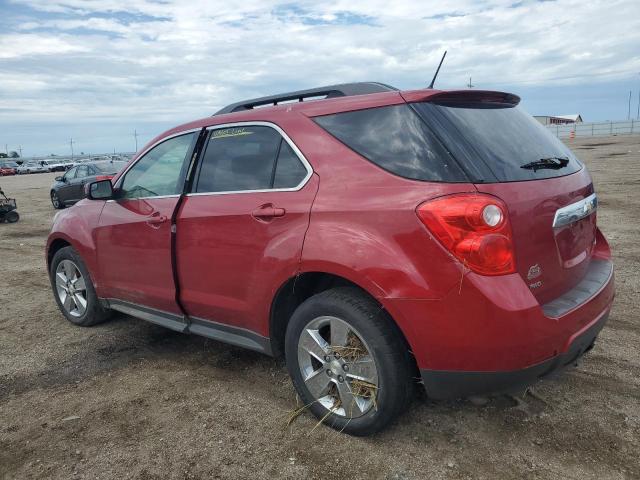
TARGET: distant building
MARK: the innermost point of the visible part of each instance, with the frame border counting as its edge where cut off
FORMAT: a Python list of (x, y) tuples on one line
[(558, 119)]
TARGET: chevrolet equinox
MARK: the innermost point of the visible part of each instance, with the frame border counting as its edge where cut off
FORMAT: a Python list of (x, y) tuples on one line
[(372, 236)]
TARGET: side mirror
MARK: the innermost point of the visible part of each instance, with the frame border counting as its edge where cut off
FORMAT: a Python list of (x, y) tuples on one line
[(59, 179), (100, 190)]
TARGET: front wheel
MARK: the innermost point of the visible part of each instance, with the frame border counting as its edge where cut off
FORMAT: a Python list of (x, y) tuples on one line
[(73, 289), (55, 201), (348, 361)]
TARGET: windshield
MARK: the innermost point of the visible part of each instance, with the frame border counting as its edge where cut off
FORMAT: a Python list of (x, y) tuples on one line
[(109, 167), (497, 142), (9, 164)]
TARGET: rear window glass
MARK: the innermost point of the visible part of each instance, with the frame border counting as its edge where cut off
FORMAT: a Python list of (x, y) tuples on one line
[(498, 143), (395, 139)]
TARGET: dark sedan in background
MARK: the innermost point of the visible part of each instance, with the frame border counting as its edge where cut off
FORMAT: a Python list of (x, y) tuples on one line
[(69, 188)]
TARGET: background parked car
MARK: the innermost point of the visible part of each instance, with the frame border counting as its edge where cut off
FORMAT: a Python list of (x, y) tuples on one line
[(69, 188), (54, 165), (8, 168), (30, 167)]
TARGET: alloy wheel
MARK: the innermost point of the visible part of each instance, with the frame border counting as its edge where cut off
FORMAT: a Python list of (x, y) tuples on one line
[(337, 367), (55, 200), (71, 288)]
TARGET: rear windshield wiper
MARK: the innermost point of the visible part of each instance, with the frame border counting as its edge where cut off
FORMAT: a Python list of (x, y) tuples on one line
[(553, 163)]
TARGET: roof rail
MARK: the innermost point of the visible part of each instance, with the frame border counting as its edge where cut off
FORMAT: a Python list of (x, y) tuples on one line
[(330, 91)]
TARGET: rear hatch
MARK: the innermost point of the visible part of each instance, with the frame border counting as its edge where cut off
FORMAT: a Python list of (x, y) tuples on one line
[(507, 153)]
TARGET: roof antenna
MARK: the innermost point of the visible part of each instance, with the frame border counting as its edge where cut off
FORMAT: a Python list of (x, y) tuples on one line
[(438, 70)]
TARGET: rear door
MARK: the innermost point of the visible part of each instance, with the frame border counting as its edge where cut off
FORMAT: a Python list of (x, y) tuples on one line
[(133, 237), (240, 232)]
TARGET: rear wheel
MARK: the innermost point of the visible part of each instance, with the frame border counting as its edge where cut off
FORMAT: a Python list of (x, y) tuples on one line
[(55, 200), (348, 361), (12, 216), (74, 291)]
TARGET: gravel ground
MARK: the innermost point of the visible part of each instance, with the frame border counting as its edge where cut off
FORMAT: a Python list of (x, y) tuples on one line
[(131, 400)]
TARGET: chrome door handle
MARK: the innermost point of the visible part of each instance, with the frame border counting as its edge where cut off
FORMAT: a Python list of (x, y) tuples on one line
[(267, 212), (155, 219)]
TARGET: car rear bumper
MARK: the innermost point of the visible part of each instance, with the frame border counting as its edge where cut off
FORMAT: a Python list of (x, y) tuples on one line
[(459, 384), (490, 333)]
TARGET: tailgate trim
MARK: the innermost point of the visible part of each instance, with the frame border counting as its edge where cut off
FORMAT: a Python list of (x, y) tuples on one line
[(576, 211), (598, 275)]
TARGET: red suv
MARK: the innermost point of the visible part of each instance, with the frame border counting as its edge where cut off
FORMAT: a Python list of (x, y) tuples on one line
[(372, 236)]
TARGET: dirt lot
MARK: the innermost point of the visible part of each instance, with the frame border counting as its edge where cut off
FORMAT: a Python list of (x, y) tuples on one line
[(131, 400)]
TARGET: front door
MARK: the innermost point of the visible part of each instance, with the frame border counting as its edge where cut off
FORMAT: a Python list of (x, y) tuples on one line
[(133, 237), (240, 232), (76, 185), (65, 191)]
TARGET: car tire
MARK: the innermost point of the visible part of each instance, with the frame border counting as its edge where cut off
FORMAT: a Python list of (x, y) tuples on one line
[(74, 291), (55, 201), (12, 216), (364, 380)]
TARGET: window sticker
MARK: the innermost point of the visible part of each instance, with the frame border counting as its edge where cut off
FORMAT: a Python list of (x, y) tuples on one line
[(230, 132)]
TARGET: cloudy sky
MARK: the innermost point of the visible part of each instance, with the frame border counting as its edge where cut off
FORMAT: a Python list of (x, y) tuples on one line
[(96, 70)]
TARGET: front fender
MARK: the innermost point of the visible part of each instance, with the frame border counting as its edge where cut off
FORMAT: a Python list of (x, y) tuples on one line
[(75, 226)]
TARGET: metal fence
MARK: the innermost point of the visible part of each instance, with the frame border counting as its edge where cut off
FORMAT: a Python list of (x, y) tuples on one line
[(600, 129)]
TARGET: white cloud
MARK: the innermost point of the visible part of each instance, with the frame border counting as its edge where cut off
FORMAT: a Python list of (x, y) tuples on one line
[(175, 60)]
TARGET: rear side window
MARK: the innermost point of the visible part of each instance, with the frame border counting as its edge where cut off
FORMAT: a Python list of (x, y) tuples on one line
[(395, 139), (289, 169), (248, 158)]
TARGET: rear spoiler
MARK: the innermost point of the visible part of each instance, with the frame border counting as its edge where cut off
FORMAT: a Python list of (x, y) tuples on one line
[(461, 97)]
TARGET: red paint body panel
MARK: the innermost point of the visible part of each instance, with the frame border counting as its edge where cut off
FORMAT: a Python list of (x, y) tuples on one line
[(134, 252), (231, 264), (76, 227), (563, 254), (358, 221), (494, 324)]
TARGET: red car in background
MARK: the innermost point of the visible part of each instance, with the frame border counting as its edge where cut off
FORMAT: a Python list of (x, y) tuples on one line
[(372, 236), (8, 168)]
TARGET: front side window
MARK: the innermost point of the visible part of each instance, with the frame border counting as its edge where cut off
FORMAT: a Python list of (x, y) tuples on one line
[(246, 158), (160, 171), (71, 173)]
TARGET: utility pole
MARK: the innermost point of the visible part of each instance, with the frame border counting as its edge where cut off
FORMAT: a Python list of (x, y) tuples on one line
[(638, 114), (71, 143), (135, 135), (6, 149), (469, 84), (629, 110), (20, 150)]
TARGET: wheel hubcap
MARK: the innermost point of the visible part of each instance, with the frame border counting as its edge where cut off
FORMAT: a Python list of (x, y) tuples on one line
[(337, 367), (71, 288)]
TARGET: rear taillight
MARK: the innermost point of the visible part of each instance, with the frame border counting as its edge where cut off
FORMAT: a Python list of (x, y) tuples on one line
[(104, 177), (474, 228)]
